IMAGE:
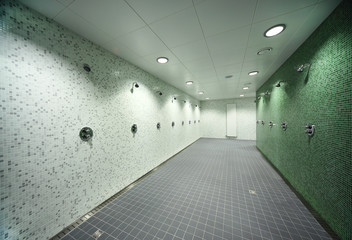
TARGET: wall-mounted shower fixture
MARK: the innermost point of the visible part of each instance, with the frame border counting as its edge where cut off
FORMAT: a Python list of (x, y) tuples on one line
[(134, 128), (173, 99), (284, 126), (301, 67), (271, 124), (263, 122), (86, 134), (173, 124), (310, 129), (257, 121), (160, 93), (278, 84), (158, 126), (86, 67), (134, 85)]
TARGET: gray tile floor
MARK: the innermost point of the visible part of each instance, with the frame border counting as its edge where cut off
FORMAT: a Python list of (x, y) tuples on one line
[(214, 189)]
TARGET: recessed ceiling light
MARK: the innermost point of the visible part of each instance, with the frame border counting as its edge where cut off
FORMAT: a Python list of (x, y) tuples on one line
[(241, 95), (245, 88), (189, 82), (274, 30), (207, 98), (201, 92), (229, 76), (253, 73), (264, 51), (162, 60)]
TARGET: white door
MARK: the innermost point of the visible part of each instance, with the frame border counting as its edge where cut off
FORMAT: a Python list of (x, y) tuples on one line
[(231, 121)]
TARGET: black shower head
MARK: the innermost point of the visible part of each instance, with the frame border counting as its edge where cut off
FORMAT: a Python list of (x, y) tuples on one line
[(86, 67)]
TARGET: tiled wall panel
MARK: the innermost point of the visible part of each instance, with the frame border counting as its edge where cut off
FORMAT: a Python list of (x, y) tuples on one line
[(213, 116), (319, 167), (49, 177)]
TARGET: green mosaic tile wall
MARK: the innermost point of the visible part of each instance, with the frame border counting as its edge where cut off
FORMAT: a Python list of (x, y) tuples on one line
[(319, 167)]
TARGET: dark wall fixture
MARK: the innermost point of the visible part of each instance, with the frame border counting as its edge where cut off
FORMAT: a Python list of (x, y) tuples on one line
[(278, 84), (271, 124), (158, 126), (284, 126), (189, 122), (173, 124), (198, 121), (303, 66), (183, 123), (310, 129), (134, 128), (160, 93), (86, 67), (257, 121), (263, 122), (195, 121), (134, 85), (86, 134)]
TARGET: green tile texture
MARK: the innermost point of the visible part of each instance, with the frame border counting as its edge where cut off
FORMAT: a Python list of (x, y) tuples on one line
[(318, 167)]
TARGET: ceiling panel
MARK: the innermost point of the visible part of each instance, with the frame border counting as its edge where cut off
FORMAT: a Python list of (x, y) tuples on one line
[(229, 57), (231, 69), (205, 40), (230, 40), (293, 21), (153, 10), (191, 51), (151, 59), (49, 8), (223, 15), (80, 26), (66, 2), (179, 28), (111, 16), (267, 9), (143, 41), (199, 64)]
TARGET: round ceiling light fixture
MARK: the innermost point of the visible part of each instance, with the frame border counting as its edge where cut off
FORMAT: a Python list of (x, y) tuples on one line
[(242, 95), (207, 98), (245, 88), (189, 82), (264, 51), (253, 73), (200, 92), (162, 60), (274, 30)]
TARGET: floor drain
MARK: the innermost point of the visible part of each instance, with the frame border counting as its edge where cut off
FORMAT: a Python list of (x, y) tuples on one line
[(97, 234), (252, 192)]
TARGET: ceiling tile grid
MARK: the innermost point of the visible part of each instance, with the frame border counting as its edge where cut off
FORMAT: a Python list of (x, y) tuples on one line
[(213, 43)]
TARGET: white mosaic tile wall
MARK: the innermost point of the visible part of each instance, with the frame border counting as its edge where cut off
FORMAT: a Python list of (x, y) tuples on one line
[(213, 115), (49, 177)]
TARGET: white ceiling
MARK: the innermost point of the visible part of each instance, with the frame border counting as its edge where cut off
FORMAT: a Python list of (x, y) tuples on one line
[(205, 40)]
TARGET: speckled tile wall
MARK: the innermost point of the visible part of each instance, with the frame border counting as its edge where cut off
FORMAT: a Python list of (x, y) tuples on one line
[(319, 167), (213, 117), (49, 177)]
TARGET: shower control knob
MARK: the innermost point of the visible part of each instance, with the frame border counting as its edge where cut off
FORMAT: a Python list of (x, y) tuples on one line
[(310, 129), (86, 134)]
